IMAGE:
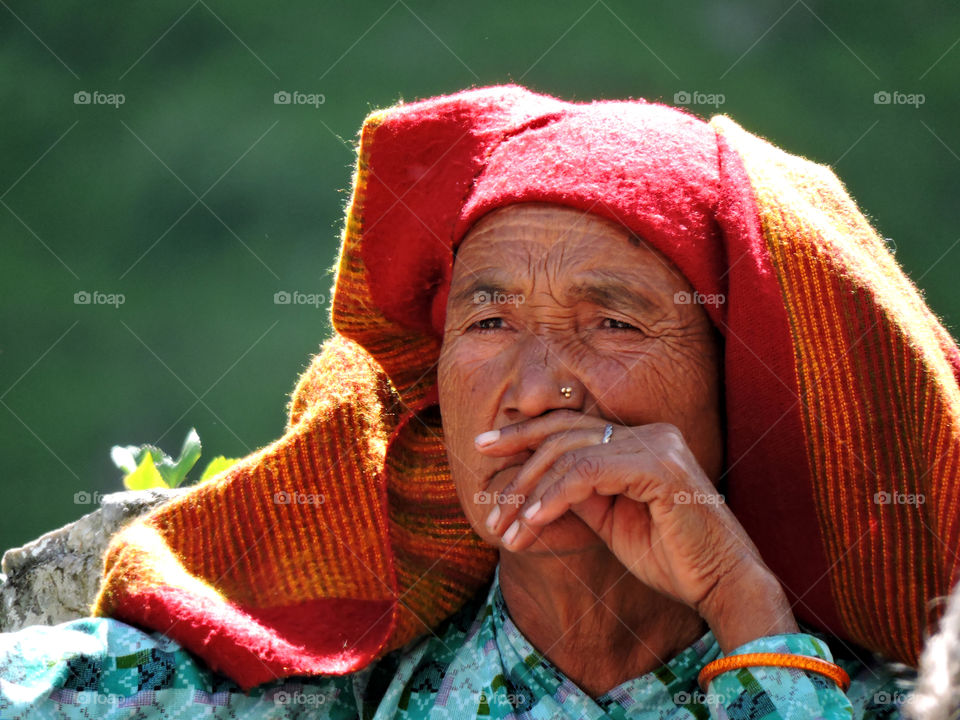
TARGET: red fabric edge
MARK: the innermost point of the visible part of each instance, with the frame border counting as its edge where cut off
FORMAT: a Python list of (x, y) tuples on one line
[(247, 645), (762, 482)]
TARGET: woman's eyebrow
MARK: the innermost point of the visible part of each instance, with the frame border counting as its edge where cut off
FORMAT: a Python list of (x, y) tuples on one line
[(613, 295), (608, 289)]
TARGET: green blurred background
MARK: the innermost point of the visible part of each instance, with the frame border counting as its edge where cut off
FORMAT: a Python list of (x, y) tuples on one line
[(199, 198)]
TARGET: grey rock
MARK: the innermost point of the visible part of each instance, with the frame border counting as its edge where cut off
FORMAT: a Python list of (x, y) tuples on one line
[(56, 577)]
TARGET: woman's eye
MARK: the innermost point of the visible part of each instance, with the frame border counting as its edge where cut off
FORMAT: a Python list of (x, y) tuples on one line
[(492, 323), (614, 324)]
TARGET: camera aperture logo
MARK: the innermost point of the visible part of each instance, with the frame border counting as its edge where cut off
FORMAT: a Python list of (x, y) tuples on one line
[(87, 498), (899, 698), (295, 97), (83, 297), (85, 97), (282, 297)]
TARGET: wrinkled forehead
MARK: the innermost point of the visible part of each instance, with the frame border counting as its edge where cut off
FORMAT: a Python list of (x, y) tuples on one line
[(539, 229), (540, 221), (539, 250), (525, 237)]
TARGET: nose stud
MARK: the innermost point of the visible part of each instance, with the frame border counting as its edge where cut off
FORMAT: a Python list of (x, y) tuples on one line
[(566, 391)]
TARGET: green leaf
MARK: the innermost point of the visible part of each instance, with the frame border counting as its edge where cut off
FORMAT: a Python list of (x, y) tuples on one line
[(139, 451), (174, 472), (217, 466), (130, 459), (124, 458), (145, 476)]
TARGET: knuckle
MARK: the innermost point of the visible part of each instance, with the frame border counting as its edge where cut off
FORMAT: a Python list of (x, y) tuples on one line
[(670, 442), (669, 433), (565, 463), (509, 431), (673, 467), (586, 466), (551, 443)]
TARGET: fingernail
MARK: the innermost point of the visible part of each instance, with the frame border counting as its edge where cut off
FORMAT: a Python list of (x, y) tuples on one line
[(532, 510), (487, 438), (511, 532), (493, 517)]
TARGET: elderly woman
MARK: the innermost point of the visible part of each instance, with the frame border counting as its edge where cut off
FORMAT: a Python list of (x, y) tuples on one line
[(616, 399)]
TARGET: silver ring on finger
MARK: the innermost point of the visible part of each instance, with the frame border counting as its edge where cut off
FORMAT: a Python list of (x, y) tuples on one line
[(607, 434)]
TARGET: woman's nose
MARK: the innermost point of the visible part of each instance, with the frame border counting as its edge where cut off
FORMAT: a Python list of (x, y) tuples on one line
[(542, 382)]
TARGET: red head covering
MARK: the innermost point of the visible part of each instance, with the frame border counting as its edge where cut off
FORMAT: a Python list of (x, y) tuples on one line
[(841, 393)]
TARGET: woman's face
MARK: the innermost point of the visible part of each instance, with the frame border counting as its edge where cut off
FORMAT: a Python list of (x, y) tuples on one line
[(544, 297)]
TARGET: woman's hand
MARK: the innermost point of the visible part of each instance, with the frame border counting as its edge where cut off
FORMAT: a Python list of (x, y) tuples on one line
[(649, 501)]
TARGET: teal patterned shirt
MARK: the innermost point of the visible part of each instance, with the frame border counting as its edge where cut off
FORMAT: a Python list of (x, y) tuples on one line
[(476, 665)]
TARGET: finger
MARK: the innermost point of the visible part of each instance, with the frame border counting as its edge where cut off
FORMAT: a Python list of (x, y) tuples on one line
[(638, 477), (485, 479), (528, 434), (521, 535), (550, 450), (577, 477), (663, 465), (519, 532), (592, 510), (657, 456)]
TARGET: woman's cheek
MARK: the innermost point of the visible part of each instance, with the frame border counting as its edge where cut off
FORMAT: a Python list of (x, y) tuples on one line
[(466, 387), (463, 380)]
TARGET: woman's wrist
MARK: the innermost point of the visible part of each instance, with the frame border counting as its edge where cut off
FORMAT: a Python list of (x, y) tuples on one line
[(749, 605)]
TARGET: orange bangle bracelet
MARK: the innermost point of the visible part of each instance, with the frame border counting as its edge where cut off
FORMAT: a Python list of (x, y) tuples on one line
[(801, 662)]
